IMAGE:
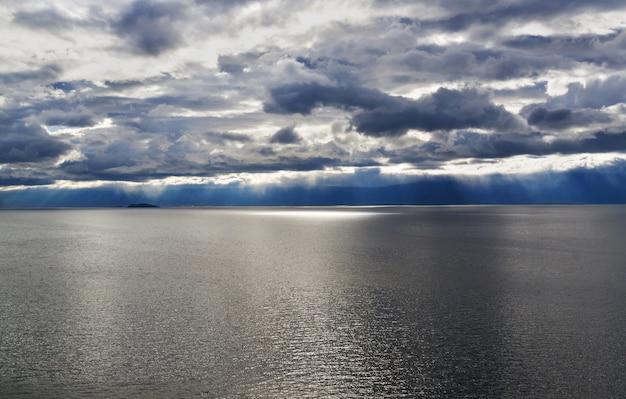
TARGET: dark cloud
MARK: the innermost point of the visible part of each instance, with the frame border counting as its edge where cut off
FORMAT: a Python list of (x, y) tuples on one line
[(52, 20), (222, 138), (466, 60), (513, 57), (70, 119), (45, 73), (598, 143), (569, 45), (286, 135), (236, 63), (131, 154), (302, 98), (543, 117), (28, 181), (476, 145), (129, 84), (402, 61), (48, 18), (219, 6), (581, 106), (190, 102), (151, 27), (122, 158), (385, 115), (594, 94), (306, 163), (500, 13), (468, 144), (24, 142), (443, 110), (230, 64), (602, 50), (139, 155), (118, 162), (564, 118)]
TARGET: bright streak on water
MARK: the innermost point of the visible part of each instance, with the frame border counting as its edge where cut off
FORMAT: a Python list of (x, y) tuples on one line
[(319, 214)]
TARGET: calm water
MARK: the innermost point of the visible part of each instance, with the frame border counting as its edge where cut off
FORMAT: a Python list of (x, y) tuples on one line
[(369, 302)]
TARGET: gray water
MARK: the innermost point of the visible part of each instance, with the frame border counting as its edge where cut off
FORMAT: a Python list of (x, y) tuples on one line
[(475, 302)]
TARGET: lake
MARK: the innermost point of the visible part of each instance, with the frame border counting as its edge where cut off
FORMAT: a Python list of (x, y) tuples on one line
[(437, 302)]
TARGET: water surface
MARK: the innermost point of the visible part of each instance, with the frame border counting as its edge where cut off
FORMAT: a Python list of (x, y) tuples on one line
[(303, 302)]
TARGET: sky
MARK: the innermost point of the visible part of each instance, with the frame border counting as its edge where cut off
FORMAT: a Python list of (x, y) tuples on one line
[(210, 102)]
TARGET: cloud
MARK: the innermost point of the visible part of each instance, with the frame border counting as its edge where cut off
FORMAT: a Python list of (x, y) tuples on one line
[(473, 145), (286, 135), (302, 98), (60, 20), (596, 93), (499, 13), (564, 118), (79, 118), (236, 63), (68, 87), (47, 18), (151, 27), (542, 116), (44, 73), (581, 106), (23, 142), (230, 64), (384, 115), (223, 138), (577, 47), (599, 142), (443, 110), (463, 61), (27, 182), (220, 6)]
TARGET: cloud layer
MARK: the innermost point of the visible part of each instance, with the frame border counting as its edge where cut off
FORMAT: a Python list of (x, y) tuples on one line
[(189, 92)]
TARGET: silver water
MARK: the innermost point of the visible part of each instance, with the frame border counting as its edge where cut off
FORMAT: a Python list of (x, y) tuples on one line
[(301, 302)]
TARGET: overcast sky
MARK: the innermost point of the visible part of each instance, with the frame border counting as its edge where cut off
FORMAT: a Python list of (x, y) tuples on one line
[(149, 95)]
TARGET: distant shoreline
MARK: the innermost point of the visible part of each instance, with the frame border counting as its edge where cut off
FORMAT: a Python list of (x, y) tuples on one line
[(143, 205)]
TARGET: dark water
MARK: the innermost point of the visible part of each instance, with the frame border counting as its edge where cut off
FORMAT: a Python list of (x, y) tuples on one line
[(475, 302)]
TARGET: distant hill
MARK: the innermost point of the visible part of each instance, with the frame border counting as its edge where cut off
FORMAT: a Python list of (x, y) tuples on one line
[(143, 205)]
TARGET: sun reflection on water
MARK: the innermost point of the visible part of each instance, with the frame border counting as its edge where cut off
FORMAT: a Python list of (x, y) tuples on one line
[(318, 214)]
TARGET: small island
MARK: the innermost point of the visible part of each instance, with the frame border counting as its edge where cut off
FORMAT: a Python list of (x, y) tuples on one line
[(143, 205)]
